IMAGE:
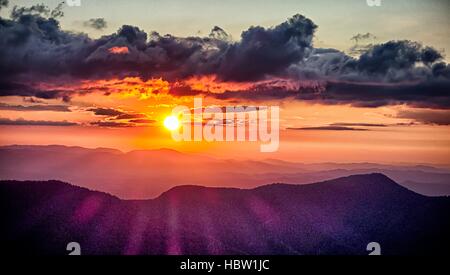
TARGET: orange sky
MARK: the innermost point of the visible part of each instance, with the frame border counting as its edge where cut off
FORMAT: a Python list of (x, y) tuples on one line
[(400, 140), (62, 83)]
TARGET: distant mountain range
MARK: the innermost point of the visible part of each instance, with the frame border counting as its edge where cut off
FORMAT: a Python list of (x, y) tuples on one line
[(339, 216), (147, 173)]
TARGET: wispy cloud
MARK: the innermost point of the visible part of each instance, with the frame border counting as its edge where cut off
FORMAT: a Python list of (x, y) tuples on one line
[(24, 122), (53, 108), (424, 116), (96, 23), (346, 124), (328, 128)]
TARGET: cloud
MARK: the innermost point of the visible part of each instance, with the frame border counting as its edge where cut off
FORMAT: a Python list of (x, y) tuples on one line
[(328, 128), (32, 100), (36, 49), (23, 122), (117, 118), (431, 94), (3, 3), (38, 9), (105, 111), (428, 94), (424, 116), (362, 37), (397, 61), (219, 34), (12, 88), (111, 124), (114, 114), (130, 116), (267, 51), (53, 108), (96, 23), (260, 51), (143, 121), (345, 124), (363, 43)]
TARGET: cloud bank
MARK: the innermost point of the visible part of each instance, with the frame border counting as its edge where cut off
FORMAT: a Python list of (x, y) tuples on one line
[(35, 49)]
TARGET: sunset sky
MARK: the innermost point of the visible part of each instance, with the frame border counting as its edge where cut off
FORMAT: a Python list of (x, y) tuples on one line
[(354, 83)]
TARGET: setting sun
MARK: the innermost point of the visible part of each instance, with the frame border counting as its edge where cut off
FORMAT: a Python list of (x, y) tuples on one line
[(172, 123)]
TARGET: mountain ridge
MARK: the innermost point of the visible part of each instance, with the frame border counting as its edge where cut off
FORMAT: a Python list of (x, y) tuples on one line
[(334, 217), (191, 187), (111, 171)]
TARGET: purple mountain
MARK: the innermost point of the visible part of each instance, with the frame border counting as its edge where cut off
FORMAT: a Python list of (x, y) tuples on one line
[(339, 216)]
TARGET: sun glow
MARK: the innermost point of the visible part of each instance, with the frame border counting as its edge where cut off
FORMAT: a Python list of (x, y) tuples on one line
[(171, 123)]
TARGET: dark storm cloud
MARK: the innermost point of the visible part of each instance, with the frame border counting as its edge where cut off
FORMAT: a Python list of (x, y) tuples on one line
[(268, 51), (96, 23), (432, 94), (259, 94), (184, 90), (397, 60), (13, 88), (429, 94), (390, 62), (40, 107), (35, 48), (23, 122), (35, 44)]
